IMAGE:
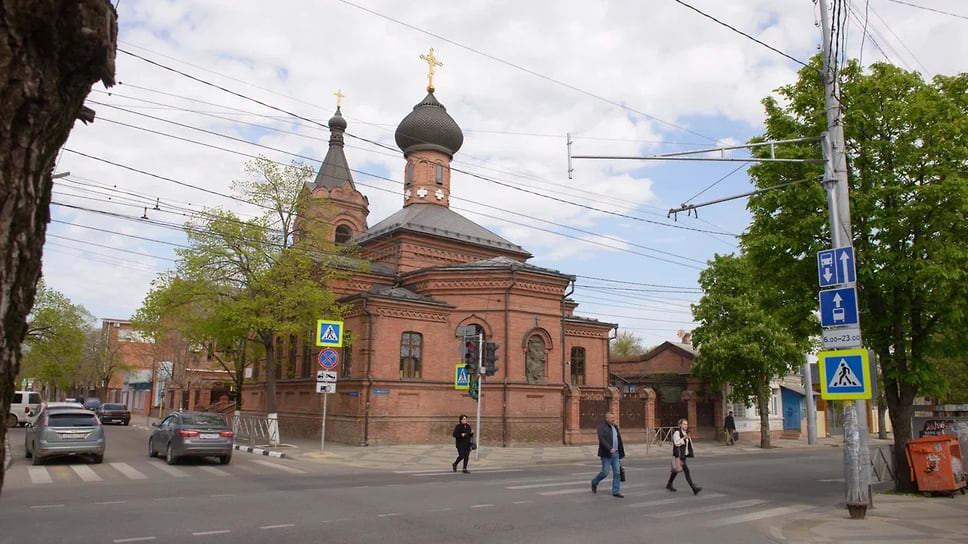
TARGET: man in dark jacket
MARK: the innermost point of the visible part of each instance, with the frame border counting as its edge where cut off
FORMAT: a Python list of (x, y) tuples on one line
[(729, 427), (610, 451)]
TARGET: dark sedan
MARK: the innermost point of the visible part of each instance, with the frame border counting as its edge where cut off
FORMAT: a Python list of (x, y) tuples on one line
[(191, 434), (113, 413)]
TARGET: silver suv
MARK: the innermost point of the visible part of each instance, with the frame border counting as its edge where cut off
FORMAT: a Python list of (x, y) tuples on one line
[(59, 432), (25, 405)]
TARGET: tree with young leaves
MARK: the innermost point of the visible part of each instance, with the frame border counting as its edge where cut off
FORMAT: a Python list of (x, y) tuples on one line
[(906, 143), (54, 341), (743, 339), (257, 278), (101, 359), (626, 344)]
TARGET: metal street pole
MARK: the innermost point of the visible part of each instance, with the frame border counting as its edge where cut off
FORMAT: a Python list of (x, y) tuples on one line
[(835, 182), (480, 393), (811, 404)]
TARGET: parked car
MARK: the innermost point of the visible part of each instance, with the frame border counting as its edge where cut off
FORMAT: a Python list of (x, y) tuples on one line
[(191, 434), (92, 403), (110, 412), (63, 431), (23, 405)]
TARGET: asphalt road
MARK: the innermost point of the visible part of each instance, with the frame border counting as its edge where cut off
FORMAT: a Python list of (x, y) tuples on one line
[(256, 499)]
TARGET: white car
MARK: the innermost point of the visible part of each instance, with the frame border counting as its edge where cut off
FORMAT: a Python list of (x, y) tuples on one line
[(25, 405)]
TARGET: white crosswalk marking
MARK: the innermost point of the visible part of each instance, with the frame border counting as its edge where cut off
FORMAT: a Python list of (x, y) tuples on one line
[(551, 484), (128, 471), (279, 466), (39, 475), (714, 508), (762, 514), (176, 472), (671, 500), (86, 473), (215, 471)]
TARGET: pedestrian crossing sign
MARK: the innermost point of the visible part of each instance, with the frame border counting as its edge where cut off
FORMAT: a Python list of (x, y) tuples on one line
[(329, 333), (845, 374), (462, 377)]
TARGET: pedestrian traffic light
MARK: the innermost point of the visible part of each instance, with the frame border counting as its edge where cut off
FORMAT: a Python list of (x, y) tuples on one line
[(474, 390), (472, 353), (490, 357)]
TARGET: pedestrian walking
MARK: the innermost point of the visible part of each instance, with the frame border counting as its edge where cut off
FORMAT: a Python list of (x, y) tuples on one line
[(464, 437), (681, 449), (729, 427), (610, 451)]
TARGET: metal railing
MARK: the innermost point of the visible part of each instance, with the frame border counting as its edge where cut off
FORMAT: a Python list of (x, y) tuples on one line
[(882, 465), (658, 437), (253, 429)]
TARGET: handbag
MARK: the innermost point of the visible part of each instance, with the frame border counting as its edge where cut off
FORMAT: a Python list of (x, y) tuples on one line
[(621, 473), (676, 464), (473, 444)]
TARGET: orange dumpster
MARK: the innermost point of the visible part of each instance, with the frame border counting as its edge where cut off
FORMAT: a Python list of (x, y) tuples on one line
[(935, 463)]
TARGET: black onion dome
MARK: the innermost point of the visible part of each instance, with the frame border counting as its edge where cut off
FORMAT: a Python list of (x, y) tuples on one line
[(429, 126), (337, 121)]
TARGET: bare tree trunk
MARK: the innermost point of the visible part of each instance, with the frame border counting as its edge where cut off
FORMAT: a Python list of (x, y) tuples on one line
[(51, 52)]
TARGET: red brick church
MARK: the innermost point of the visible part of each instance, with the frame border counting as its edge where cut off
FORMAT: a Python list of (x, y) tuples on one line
[(430, 272)]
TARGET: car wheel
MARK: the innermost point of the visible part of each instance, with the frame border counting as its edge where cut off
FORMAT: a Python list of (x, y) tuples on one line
[(170, 455), (225, 459), (27, 450), (98, 459), (12, 421), (36, 460), (125, 423), (151, 449)]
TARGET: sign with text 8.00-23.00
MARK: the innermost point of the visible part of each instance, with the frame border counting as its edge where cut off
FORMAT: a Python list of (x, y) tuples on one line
[(329, 333)]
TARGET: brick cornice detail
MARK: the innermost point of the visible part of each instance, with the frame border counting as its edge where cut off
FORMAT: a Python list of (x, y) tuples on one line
[(587, 333)]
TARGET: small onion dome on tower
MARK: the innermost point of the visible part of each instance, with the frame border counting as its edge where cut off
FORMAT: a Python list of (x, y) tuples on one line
[(429, 127), (336, 122)]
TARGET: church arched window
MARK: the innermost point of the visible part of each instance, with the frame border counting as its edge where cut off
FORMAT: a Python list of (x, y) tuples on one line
[(343, 234), (411, 344)]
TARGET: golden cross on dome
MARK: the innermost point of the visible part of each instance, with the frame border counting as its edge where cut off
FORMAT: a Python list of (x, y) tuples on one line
[(431, 62), (339, 97)]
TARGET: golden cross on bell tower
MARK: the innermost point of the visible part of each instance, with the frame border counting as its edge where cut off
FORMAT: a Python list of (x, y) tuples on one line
[(431, 62), (339, 97)]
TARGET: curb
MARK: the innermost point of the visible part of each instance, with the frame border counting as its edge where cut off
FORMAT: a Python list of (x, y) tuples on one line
[(261, 451)]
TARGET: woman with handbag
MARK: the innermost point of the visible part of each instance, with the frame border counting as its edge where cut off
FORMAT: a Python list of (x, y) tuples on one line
[(464, 438), (681, 449)]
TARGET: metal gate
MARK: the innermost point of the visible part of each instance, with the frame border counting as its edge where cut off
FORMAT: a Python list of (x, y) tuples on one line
[(632, 413), (669, 413), (591, 412)]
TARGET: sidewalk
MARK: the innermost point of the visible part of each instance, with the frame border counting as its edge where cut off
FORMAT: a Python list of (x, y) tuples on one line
[(894, 517)]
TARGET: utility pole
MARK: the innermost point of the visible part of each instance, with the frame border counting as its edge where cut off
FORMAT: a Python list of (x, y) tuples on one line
[(480, 393), (856, 453)]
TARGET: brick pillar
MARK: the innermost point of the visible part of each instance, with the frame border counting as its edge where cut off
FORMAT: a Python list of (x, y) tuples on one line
[(690, 397), (614, 405), (649, 398), (571, 414)]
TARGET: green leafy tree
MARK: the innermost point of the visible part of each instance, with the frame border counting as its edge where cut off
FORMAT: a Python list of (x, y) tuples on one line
[(626, 344), (906, 143), (743, 338), (52, 351), (257, 279)]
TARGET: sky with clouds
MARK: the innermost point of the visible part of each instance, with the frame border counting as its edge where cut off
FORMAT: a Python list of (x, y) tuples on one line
[(204, 87)]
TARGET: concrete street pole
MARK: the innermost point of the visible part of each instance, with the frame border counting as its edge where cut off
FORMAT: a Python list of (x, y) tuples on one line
[(856, 459), (811, 405), (480, 394)]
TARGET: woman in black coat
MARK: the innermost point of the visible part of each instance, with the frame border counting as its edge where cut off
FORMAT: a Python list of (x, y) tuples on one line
[(463, 436), (682, 449)]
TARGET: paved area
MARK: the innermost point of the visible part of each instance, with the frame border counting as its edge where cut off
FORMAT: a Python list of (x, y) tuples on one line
[(894, 517)]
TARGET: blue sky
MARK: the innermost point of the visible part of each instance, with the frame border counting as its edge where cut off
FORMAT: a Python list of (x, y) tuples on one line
[(623, 78)]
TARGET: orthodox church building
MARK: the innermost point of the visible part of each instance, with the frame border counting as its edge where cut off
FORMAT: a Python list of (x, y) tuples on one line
[(430, 275)]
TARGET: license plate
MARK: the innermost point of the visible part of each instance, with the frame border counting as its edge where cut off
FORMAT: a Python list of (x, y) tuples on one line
[(208, 436)]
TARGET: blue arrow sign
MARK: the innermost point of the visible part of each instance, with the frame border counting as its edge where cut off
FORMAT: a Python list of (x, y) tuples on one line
[(836, 266), (838, 307)]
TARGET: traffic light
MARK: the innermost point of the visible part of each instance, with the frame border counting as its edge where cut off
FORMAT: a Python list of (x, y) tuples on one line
[(490, 357), (472, 353), (475, 384)]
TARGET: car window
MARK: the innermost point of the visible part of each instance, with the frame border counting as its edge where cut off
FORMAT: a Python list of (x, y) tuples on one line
[(204, 419), (71, 420), (18, 398), (34, 398), (112, 407)]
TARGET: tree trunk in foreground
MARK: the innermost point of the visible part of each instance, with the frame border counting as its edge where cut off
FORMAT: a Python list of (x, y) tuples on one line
[(51, 52)]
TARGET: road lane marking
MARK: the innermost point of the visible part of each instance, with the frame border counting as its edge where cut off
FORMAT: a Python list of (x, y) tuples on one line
[(86, 473), (135, 539), (217, 532), (280, 526), (100, 503), (43, 506), (762, 514), (215, 471), (129, 471), (562, 492), (39, 475), (171, 471), (279, 466), (481, 505), (715, 508), (553, 484)]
